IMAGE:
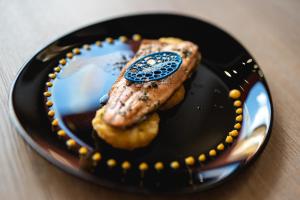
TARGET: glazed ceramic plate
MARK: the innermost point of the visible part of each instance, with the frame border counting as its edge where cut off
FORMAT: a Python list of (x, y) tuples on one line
[(202, 141)]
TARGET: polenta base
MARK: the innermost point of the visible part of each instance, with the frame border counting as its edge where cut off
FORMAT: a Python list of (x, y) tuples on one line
[(175, 99), (138, 136)]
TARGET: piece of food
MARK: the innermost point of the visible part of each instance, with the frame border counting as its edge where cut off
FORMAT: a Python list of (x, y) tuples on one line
[(134, 137), (175, 99), (128, 120), (170, 40), (129, 102)]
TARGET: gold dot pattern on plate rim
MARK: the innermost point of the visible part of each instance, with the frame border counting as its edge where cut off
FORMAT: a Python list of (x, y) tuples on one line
[(234, 133), (212, 152), (49, 103), (159, 166), (86, 47), (57, 69), (143, 166), (47, 94), (111, 163), (51, 113), (237, 126), (229, 139), (109, 40), (49, 84), (189, 160), (234, 94), (126, 165), (202, 157), (71, 143), (69, 55), (96, 157), (63, 61), (83, 151), (52, 75), (76, 51), (175, 164), (55, 122), (221, 147), (98, 43), (61, 133), (123, 38), (136, 37)]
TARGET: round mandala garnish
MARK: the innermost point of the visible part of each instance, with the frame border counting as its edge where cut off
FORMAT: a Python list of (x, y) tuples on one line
[(154, 66)]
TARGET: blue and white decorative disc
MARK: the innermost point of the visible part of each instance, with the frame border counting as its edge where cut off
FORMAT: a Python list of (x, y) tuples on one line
[(154, 66)]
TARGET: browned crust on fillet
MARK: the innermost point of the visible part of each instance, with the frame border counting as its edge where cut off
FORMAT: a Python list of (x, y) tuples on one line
[(130, 102)]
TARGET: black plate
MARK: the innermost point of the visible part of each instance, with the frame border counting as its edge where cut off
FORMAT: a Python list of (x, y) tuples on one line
[(196, 126)]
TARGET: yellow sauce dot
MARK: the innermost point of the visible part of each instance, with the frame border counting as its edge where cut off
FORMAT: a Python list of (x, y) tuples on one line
[(239, 118), (159, 166), (221, 147), (69, 55), (47, 94), (49, 103), (237, 126), (71, 143), (143, 166), (237, 103), (111, 162), (52, 76), (96, 157), (51, 113), (136, 37), (83, 151), (98, 43), (49, 84), (123, 38), (126, 165), (202, 157), (234, 94), (57, 69), (76, 51), (212, 152), (62, 61), (189, 160), (86, 47), (239, 111), (229, 139), (109, 40), (234, 133), (175, 165), (55, 122), (61, 133)]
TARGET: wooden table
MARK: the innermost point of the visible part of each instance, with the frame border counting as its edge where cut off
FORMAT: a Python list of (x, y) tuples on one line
[(270, 30)]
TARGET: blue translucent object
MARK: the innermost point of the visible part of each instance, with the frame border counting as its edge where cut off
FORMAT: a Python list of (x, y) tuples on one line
[(154, 66)]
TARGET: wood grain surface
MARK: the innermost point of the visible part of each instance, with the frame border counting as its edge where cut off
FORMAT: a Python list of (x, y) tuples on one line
[(270, 30)]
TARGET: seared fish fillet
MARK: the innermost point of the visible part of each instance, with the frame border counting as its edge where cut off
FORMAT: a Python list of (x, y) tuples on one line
[(129, 103)]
